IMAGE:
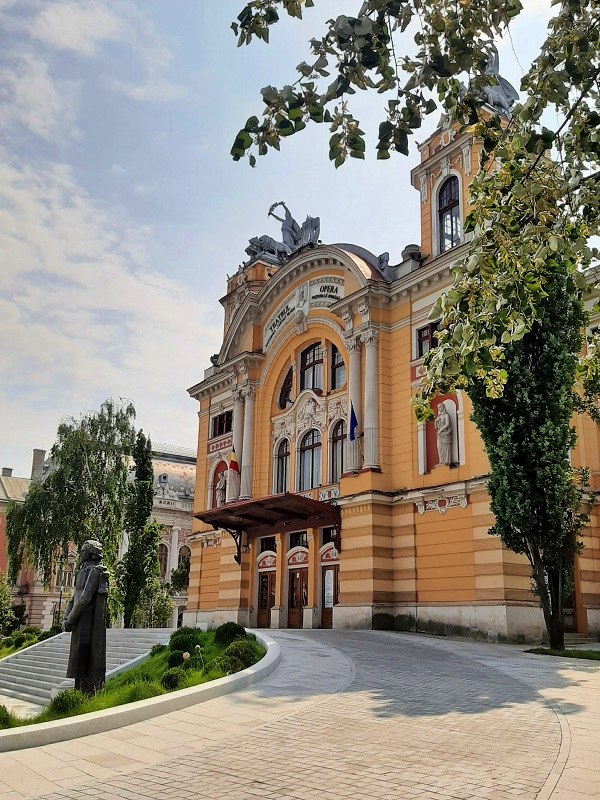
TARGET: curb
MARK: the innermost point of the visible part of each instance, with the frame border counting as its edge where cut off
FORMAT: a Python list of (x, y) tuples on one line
[(62, 730)]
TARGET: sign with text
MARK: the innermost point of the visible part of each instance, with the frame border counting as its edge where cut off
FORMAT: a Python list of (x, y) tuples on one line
[(317, 293)]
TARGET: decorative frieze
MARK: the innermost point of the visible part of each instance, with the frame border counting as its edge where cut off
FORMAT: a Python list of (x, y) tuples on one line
[(329, 492), (441, 504)]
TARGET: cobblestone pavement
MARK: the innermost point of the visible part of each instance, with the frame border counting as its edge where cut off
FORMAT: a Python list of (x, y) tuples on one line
[(359, 715)]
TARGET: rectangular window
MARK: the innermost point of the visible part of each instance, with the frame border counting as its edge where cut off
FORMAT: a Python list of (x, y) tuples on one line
[(328, 535), (298, 539), (267, 543), (221, 424), (425, 338)]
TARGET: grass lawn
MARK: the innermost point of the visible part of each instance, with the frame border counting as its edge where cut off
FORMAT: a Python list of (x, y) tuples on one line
[(592, 655), (166, 670)]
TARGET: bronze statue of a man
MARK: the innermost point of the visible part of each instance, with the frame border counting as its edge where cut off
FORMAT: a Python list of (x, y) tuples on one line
[(86, 617)]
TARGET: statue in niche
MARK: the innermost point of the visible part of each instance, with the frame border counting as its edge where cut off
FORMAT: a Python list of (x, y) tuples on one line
[(86, 618), (444, 433), (221, 489), (296, 236), (501, 96)]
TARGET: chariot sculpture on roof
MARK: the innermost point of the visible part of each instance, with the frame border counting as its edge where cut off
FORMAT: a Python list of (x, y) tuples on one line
[(294, 236)]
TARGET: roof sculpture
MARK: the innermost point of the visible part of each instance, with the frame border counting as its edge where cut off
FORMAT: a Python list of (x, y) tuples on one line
[(294, 237)]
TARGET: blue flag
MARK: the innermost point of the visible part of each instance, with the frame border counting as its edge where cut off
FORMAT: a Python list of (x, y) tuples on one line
[(353, 424)]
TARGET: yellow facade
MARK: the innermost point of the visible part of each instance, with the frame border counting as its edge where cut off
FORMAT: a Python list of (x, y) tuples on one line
[(413, 549)]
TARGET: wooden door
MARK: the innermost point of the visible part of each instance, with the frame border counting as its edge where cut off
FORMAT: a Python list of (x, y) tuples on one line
[(329, 593), (266, 598), (297, 596)]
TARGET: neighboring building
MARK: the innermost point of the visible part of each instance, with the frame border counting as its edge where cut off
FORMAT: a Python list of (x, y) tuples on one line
[(174, 476), (350, 513), (174, 472)]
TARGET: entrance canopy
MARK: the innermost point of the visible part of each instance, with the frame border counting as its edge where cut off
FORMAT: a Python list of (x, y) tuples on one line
[(269, 515)]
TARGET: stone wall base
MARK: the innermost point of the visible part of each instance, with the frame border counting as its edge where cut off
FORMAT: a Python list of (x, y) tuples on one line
[(206, 620), (504, 623), (593, 620)]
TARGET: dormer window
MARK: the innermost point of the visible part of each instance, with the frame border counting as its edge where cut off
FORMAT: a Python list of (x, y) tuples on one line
[(449, 214)]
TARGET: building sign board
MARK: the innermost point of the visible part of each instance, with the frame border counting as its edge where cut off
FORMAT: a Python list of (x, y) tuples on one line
[(214, 445), (319, 292), (329, 588)]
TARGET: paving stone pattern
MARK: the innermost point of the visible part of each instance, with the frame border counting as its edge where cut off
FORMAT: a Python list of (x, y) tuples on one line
[(379, 716)]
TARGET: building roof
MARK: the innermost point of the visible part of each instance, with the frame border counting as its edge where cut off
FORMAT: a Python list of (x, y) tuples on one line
[(159, 448), (13, 488)]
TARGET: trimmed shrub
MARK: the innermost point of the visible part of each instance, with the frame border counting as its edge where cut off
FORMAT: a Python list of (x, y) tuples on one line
[(31, 630), (6, 718), (226, 664), (45, 635), (241, 650), (175, 658), (185, 639), (56, 629), (8, 641), (172, 678), (157, 648), (142, 690), (67, 702), (229, 632), (193, 662), (19, 639)]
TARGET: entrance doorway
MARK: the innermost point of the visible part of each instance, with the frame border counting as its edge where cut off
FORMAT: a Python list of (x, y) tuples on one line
[(329, 593), (297, 596), (266, 598)]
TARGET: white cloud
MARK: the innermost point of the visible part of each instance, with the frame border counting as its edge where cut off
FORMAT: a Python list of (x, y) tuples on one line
[(154, 90), (31, 98), (77, 27), (84, 317)]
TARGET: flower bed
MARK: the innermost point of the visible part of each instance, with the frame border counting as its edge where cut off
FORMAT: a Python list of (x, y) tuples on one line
[(192, 657)]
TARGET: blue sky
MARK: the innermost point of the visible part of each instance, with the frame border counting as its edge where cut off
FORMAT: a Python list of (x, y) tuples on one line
[(121, 212)]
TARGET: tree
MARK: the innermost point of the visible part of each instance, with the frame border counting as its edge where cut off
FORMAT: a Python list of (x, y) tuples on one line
[(511, 325), (140, 562), (155, 607), (180, 576), (7, 617), (83, 496)]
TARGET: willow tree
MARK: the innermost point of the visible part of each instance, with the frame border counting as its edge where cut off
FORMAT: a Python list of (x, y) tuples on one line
[(512, 322), (82, 496)]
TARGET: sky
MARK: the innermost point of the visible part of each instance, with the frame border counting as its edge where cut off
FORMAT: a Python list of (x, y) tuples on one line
[(122, 212)]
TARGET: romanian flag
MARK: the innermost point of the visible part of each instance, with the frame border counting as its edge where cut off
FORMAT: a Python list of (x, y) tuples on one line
[(233, 462)]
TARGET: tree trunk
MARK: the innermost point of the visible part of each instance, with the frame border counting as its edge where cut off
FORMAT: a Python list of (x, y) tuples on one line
[(549, 587)]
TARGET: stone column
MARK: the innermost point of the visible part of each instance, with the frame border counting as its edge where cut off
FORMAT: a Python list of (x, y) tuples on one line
[(248, 446), (310, 612), (277, 612), (371, 408), (354, 401), (173, 563)]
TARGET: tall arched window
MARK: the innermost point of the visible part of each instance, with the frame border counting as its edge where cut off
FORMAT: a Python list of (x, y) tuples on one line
[(184, 555), (311, 367), (449, 214), (338, 369), (282, 466), (163, 554), (310, 461), (338, 450), (285, 395)]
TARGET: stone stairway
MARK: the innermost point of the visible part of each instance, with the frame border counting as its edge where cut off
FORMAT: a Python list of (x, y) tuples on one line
[(577, 640), (34, 674)]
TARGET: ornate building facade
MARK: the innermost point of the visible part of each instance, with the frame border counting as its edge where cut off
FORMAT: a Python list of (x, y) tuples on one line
[(347, 511)]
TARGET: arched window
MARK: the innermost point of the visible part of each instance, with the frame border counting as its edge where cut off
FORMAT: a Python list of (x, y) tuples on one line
[(310, 461), (184, 556), (311, 368), (338, 450), (285, 395), (449, 214), (338, 369), (163, 555), (282, 466)]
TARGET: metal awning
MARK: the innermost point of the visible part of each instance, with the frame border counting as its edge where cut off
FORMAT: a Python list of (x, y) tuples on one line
[(269, 515)]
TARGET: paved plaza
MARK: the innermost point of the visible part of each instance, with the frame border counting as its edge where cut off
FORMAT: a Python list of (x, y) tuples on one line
[(351, 714)]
